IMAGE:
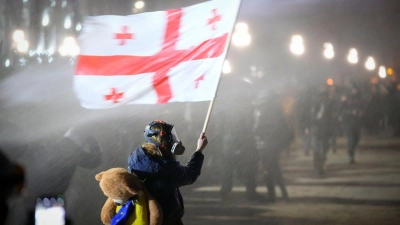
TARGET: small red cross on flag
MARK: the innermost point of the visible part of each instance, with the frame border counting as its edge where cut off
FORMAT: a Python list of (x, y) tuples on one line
[(114, 96), (173, 56), (216, 18), (124, 35), (198, 81)]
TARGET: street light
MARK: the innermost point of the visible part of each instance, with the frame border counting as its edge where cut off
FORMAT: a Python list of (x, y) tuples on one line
[(226, 67), (139, 5), (22, 46), (69, 47), (297, 45), (67, 22), (241, 36), (370, 63), (18, 36), (328, 52), (45, 19), (78, 27), (382, 72), (389, 71), (353, 56), (64, 4)]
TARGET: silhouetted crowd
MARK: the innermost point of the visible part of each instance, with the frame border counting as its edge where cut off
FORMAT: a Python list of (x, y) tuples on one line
[(257, 123), (324, 113)]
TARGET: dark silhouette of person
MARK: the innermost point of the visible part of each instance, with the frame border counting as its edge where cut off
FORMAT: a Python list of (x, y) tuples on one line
[(302, 110), (351, 115), (156, 165), (50, 166), (12, 177), (273, 135), (335, 123), (394, 112), (321, 127), (374, 112), (239, 161), (75, 148)]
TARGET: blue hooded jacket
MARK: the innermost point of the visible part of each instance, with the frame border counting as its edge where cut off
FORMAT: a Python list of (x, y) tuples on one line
[(163, 177)]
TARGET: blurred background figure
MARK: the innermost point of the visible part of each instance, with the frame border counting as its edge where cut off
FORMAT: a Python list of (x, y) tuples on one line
[(394, 112), (239, 160), (351, 113), (374, 112), (272, 135), (321, 127), (75, 148), (12, 182), (50, 167), (303, 117), (335, 123)]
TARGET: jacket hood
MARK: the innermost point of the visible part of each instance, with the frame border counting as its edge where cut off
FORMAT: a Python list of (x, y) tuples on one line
[(145, 165), (141, 163)]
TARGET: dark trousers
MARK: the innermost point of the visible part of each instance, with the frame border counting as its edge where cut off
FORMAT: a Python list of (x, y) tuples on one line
[(244, 166), (353, 134), (320, 148), (273, 173), (306, 138)]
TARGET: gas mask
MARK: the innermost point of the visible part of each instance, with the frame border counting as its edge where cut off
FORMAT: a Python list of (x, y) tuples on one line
[(170, 133)]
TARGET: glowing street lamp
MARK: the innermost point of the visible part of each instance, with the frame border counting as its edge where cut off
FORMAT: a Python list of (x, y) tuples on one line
[(139, 5), (370, 63), (353, 56), (241, 27), (328, 52), (78, 27), (67, 22), (226, 67), (45, 19), (22, 46), (297, 45), (389, 71), (18, 36), (382, 72), (241, 36)]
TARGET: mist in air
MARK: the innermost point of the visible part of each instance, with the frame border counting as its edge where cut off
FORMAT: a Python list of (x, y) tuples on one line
[(309, 92)]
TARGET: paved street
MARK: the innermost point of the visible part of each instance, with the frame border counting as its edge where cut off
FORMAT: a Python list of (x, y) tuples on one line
[(365, 193)]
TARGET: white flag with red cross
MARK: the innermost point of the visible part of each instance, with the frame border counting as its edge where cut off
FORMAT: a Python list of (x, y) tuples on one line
[(153, 58)]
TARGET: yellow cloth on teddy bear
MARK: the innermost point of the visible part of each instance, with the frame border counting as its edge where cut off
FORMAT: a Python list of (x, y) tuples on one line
[(140, 215)]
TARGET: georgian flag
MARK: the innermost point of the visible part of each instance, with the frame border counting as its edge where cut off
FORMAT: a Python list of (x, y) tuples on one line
[(153, 58)]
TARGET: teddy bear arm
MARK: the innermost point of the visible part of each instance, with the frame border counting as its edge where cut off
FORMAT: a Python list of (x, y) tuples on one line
[(155, 211), (108, 211)]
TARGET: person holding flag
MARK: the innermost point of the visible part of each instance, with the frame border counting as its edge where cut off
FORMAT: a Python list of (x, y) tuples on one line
[(156, 165)]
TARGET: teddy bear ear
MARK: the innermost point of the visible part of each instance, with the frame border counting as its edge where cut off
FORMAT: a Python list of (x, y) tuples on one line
[(99, 176)]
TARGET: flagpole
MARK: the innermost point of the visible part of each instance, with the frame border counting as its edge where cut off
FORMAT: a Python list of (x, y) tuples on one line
[(208, 113), (215, 94)]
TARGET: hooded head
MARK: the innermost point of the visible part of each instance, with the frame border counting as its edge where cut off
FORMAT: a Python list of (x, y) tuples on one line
[(162, 139)]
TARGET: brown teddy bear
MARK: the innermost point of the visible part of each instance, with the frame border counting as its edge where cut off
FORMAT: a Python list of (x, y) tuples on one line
[(122, 188)]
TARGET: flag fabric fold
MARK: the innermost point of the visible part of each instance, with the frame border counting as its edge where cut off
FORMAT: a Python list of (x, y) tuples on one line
[(154, 58)]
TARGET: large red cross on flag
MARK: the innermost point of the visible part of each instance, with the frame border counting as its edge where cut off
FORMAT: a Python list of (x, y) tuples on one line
[(154, 58)]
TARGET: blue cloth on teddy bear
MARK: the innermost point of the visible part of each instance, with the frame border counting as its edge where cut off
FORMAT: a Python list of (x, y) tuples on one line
[(124, 213)]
